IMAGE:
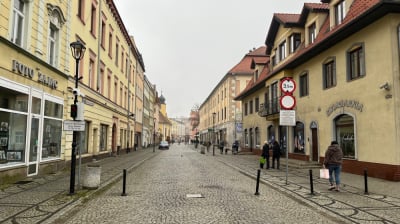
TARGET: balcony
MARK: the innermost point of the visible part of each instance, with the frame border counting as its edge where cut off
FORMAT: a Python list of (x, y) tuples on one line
[(270, 110)]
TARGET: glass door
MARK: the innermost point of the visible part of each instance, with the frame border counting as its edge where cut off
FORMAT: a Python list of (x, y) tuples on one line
[(33, 147)]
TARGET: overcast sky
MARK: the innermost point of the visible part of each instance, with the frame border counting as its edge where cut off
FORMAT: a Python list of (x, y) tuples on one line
[(189, 45)]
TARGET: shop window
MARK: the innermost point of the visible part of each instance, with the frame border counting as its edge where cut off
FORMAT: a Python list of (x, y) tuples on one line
[(344, 128), (13, 100), (271, 134), (103, 137), (51, 146), (12, 137), (246, 138), (257, 137), (298, 137)]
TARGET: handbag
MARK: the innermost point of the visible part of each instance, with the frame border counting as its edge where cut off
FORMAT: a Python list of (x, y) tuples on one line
[(262, 160), (324, 173)]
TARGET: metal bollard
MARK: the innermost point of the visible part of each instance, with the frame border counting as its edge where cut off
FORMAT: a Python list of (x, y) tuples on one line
[(311, 182), (258, 182), (366, 181), (124, 184)]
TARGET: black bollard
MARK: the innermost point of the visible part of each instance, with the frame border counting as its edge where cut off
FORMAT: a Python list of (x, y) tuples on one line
[(258, 182), (366, 181), (124, 184), (311, 182)]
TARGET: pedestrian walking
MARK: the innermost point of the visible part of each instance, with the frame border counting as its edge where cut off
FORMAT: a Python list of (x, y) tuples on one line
[(333, 162), (276, 154), (265, 153)]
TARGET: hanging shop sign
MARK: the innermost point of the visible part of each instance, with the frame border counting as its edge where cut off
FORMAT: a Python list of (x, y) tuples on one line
[(29, 72)]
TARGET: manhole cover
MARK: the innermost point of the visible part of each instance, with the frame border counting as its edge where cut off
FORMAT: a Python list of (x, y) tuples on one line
[(23, 182), (194, 196)]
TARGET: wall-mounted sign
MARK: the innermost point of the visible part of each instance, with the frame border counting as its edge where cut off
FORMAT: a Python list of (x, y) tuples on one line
[(28, 72), (345, 103)]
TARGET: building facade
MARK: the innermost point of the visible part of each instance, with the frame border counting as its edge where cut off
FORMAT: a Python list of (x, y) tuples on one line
[(38, 77), (344, 57), (219, 113)]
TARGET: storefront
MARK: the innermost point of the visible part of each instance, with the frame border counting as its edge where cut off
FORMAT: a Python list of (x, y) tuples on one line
[(31, 116)]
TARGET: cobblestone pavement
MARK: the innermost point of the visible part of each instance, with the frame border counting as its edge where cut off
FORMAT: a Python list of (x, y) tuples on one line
[(41, 198), (157, 192), (351, 204)]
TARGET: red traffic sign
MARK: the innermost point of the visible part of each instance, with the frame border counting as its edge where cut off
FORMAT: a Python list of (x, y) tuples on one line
[(288, 85), (287, 102)]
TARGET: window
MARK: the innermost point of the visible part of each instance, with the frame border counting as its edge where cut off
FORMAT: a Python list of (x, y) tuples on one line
[(103, 34), (110, 42), (304, 84), (81, 10), (109, 75), (103, 137), (257, 106), (294, 42), (91, 72), (251, 106), (329, 73), (282, 51), (245, 109), (340, 12), (344, 128), (17, 32), (246, 138), (53, 43), (93, 20), (273, 61), (298, 137), (116, 53), (115, 90), (355, 62), (312, 33), (274, 98), (100, 77), (257, 137), (271, 134)]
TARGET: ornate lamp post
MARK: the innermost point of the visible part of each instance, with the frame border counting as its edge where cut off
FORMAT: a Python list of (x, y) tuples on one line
[(78, 50), (154, 134), (214, 114)]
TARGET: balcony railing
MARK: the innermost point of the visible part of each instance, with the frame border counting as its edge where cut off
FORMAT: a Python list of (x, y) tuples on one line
[(271, 107)]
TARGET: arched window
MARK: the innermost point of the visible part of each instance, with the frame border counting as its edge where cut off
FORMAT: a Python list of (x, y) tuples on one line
[(298, 138), (344, 129)]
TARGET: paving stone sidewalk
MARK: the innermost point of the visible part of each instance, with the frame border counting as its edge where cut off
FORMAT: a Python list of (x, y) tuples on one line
[(41, 198)]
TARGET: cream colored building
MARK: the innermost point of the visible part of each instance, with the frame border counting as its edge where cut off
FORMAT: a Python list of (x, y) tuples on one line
[(344, 58), (37, 78), (219, 112)]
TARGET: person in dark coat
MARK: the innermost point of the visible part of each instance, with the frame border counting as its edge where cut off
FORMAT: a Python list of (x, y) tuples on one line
[(265, 153), (221, 146), (276, 154), (333, 162)]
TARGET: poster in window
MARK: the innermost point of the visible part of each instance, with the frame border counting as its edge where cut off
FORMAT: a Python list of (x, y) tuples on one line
[(3, 158), (3, 141), (14, 155), (4, 126)]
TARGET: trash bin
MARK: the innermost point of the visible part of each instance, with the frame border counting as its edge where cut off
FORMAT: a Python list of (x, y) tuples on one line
[(92, 177)]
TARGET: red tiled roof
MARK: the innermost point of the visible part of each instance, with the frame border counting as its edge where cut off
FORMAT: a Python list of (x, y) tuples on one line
[(244, 66), (316, 6), (287, 18)]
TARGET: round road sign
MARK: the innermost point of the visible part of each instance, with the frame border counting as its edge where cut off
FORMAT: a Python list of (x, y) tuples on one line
[(288, 85), (287, 102)]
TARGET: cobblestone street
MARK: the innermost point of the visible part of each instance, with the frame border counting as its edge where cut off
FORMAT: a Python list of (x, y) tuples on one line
[(157, 192)]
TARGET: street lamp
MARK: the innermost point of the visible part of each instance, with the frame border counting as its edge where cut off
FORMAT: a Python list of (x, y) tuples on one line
[(214, 114), (78, 50), (154, 134)]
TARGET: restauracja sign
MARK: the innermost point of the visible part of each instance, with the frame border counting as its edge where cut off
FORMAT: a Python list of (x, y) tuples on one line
[(26, 71), (345, 103)]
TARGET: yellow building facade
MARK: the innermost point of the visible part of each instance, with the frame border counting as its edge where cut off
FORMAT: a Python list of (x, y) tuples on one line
[(343, 57), (37, 81)]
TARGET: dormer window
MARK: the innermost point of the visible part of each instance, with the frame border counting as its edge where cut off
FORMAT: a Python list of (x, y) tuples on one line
[(294, 42), (312, 33), (340, 12), (255, 75), (282, 50)]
